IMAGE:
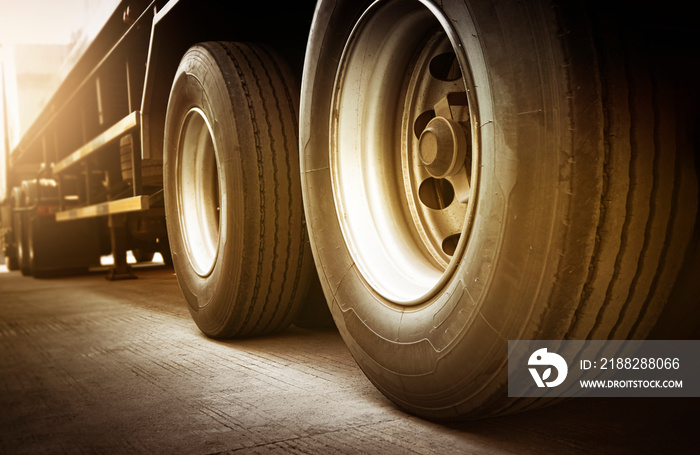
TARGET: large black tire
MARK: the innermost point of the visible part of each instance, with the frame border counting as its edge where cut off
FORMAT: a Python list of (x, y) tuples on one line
[(232, 196), (11, 251), (12, 261), (552, 196), (47, 248), (61, 248), (21, 219)]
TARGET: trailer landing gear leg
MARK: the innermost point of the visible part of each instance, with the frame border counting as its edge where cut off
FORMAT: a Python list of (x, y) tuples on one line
[(117, 233)]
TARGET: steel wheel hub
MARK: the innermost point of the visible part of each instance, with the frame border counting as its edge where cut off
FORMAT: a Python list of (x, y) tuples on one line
[(403, 154)]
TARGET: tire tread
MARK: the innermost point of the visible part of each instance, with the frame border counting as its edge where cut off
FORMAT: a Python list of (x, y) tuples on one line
[(272, 304)]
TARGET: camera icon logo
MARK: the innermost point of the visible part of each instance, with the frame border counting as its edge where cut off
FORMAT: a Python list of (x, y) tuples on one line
[(541, 358)]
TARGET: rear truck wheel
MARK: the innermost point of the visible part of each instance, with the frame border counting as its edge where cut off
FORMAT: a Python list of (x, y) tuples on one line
[(232, 195), (60, 249), (21, 220), (11, 262), (478, 172), (11, 249), (13, 253), (51, 248)]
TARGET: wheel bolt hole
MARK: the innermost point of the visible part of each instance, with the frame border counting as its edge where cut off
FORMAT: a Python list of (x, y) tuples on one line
[(445, 67), (436, 194), (449, 245), (422, 121)]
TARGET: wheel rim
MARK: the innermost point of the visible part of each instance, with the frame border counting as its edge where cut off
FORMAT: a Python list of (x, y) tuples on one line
[(198, 192), (404, 150)]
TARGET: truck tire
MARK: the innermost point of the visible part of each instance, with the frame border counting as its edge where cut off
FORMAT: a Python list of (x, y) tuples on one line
[(485, 171), (232, 195), (20, 228), (47, 248), (12, 261), (61, 249), (11, 250), (23, 252)]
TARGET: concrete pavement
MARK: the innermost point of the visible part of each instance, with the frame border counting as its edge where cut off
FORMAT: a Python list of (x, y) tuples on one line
[(90, 366)]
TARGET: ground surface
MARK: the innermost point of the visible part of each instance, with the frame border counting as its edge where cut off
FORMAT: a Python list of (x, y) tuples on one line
[(88, 366)]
